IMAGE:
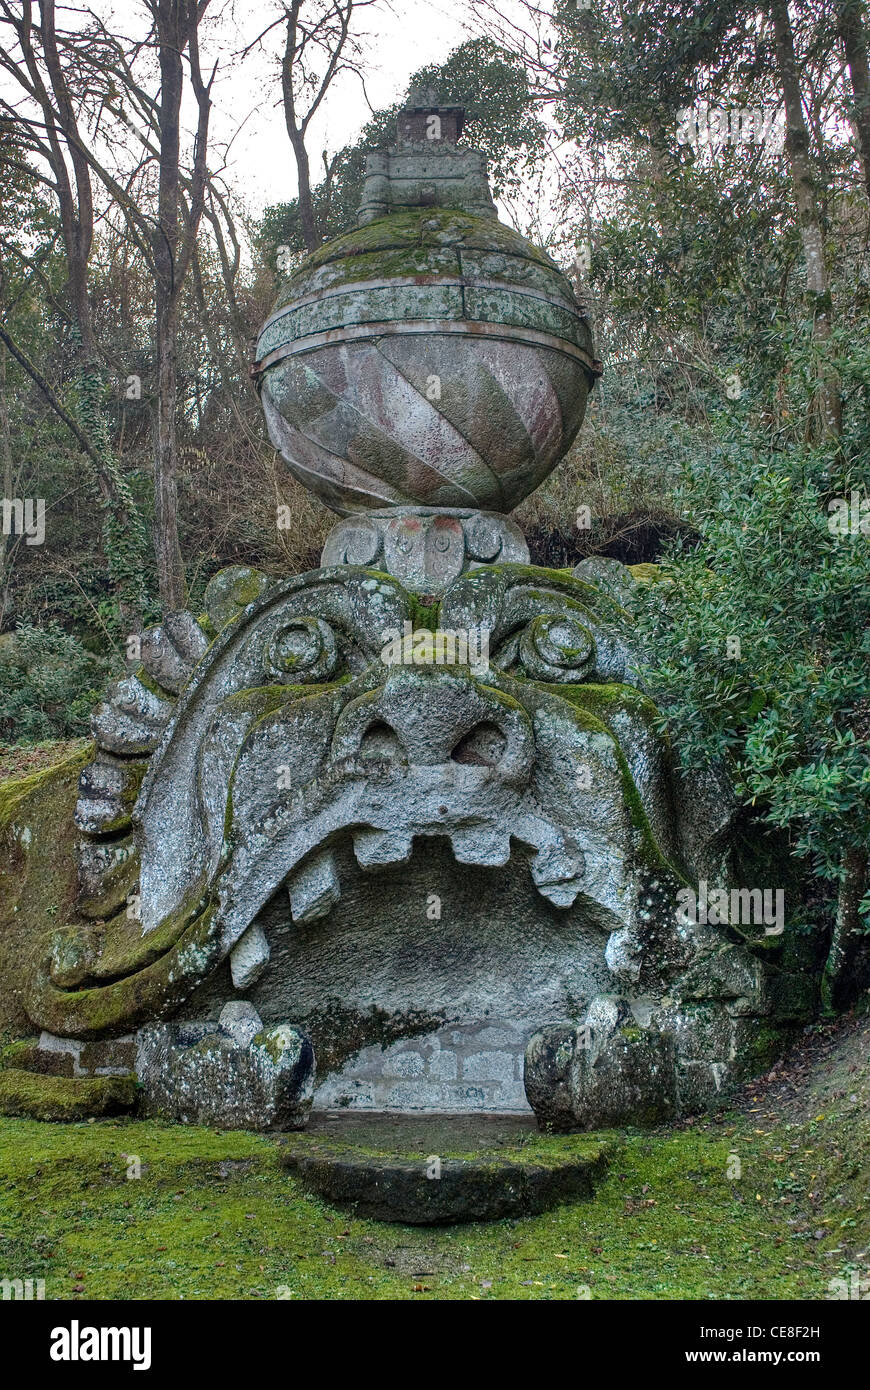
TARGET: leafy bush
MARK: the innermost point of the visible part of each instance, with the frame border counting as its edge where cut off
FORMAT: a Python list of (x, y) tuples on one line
[(759, 641), (49, 683)]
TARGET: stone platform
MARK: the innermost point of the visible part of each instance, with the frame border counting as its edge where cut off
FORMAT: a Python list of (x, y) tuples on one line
[(443, 1169)]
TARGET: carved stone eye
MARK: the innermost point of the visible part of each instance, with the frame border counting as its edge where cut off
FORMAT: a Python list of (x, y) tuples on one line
[(302, 651), (557, 649)]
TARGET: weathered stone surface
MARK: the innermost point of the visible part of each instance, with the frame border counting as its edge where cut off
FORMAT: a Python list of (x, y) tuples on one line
[(27, 1055), (345, 775), (610, 576), (230, 592), (425, 547), (171, 650), (604, 1073), (108, 788), (131, 718), (431, 357), (107, 875), (249, 957), (240, 1021), (731, 974), (202, 1076)]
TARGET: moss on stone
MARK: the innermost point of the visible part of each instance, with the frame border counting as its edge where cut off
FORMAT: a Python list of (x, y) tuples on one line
[(391, 245), (153, 686), (24, 1055), (646, 573), (266, 699), (16, 791), (544, 581), (38, 872), (153, 991), (65, 1098)]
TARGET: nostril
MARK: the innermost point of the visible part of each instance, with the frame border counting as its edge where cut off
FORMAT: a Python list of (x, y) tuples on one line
[(380, 741), (482, 746)]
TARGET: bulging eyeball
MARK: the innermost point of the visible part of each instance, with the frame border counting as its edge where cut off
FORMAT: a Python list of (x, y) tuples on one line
[(302, 651), (557, 648)]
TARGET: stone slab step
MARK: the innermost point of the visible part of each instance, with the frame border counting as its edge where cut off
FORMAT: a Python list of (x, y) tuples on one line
[(443, 1169)]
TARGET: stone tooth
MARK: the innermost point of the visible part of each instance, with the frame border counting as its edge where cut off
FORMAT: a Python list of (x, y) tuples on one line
[(560, 894), (239, 1019), (375, 849), (487, 847), (249, 957), (314, 888), (557, 873)]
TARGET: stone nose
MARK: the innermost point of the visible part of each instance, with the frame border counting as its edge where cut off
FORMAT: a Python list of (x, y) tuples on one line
[(429, 718)]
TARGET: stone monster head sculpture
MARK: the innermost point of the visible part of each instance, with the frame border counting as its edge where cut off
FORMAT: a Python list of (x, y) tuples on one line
[(412, 807)]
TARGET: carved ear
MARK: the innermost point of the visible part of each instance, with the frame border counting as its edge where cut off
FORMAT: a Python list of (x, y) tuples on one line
[(127, 727)]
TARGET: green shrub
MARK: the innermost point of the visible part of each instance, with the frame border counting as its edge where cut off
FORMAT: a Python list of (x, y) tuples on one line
[(759, 646), (49, 683)]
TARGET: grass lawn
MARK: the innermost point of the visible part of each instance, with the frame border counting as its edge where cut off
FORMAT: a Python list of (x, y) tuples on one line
[(213, 1215)]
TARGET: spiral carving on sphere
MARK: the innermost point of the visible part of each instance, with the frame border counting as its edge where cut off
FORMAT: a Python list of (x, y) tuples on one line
[(428, 359)]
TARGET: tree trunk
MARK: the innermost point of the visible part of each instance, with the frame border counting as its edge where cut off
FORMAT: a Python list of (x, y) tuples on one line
[(797, 147), (167, 548), (838, 983), (851, 30), (8, 480), (307, 220)]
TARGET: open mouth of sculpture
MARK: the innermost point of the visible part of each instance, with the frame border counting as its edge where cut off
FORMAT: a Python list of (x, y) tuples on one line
[(483, 822), (418, 975)]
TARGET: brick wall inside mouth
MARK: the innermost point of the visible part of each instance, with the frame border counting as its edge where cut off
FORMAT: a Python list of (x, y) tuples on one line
[(473, 1066)]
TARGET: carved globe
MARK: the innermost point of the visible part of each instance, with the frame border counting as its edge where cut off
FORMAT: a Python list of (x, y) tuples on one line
[(431, 358)]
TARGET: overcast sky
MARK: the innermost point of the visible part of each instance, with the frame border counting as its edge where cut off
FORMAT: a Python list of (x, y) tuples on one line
[(399, 37)]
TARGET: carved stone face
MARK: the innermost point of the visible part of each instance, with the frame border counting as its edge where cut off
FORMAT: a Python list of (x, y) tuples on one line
[(422, 831), (342, 755)]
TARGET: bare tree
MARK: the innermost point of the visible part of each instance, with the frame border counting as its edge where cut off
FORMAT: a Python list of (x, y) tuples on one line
[(176, 24), (318, 45), (797, 148), (850, 26), (47, 126), (46, 64)]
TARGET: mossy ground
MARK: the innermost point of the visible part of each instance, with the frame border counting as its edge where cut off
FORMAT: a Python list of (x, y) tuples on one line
[(20, 759), (214, 1216)]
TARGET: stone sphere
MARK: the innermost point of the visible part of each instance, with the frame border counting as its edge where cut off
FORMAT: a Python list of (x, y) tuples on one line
[(430, 358)]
